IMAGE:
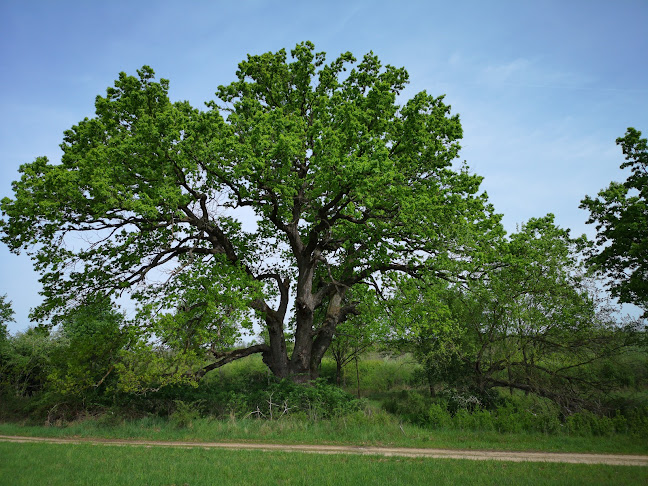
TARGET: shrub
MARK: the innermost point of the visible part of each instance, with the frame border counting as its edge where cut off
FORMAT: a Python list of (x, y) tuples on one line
[(438, 416), (462, 420), (411, 406), (637, 421), (185, 414), (483, 420)]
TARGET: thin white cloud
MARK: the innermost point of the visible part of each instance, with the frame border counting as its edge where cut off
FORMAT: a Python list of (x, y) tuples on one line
[(532, 73), (519, 72), (507, 72)]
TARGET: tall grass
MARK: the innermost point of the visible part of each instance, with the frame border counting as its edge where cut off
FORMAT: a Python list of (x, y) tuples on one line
[(358, 428)]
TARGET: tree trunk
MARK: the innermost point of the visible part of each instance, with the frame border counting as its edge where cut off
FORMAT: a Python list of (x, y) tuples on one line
[(277, 358), (431, 383), (310, 344), (326, 332), (510, 378), (300, 362)]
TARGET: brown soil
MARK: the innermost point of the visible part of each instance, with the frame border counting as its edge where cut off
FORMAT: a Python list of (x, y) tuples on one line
[(576, 458)]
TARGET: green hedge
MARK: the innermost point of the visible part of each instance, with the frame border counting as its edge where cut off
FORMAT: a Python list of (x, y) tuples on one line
[(514, 415)]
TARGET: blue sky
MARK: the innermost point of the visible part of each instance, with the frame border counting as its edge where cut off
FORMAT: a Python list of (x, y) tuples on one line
[(543, 88)]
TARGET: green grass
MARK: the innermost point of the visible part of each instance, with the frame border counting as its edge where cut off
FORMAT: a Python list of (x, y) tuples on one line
[(65, 464), (356, 429)]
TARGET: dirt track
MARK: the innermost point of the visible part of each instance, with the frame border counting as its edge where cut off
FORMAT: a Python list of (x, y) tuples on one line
[(611, 459)]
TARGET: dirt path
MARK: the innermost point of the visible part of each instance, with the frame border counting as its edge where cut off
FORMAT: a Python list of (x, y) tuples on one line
[(610, 459)]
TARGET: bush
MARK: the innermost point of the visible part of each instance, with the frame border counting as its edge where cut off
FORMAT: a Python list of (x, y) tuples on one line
[(265, 398), (411, 406), (637, 421), (520, 414), (320, 400), (185, 414), (438, 416)]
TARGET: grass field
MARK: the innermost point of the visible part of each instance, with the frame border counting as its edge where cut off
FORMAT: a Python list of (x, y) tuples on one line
[(345, 430), (64, 464)]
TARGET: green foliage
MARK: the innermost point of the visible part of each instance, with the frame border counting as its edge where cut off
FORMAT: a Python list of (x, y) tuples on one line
[(525, 319), (145, 366), (411, 406), (185, 414), (68, 372), (278, 399), (437, 416), (620, 213), (422, 323), (26, 362), (91, 339), (244, 389), (6, 315), (346, 186), (355, 336), (513, 415)]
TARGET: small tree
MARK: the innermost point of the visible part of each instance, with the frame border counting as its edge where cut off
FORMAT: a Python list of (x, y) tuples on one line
[(27, 362), (421, 322), (6, 315), (620, 213), (359, 333), (351, 340), (91, 338), (529, 323)]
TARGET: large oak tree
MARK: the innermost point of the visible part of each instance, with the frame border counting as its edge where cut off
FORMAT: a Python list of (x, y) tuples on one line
[(302, 181)]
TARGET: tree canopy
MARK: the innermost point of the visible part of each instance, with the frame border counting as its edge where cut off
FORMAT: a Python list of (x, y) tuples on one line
[(620, 213), (532, 323), (302, 180)]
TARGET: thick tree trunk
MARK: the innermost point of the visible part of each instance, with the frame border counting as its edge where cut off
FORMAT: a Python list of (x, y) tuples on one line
[(310, 347), (310, 343), (299, 364)]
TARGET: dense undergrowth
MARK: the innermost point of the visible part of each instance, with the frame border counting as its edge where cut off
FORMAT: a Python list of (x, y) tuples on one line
[(379, 392)]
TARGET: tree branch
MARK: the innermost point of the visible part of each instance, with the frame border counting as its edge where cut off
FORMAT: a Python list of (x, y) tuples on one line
[(227, 357)]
